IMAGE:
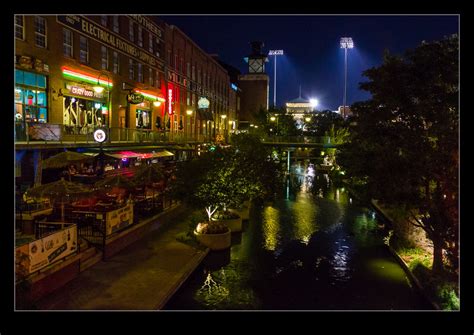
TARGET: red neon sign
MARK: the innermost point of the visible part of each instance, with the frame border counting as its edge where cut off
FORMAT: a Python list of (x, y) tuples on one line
[(170, 101)]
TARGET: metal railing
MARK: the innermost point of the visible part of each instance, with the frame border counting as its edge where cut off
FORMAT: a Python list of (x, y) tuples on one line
[(297, 139), (50, 133)]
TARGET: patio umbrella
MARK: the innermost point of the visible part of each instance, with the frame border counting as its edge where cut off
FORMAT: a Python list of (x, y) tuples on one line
[(59, 190), (147, 175), (115, 181), (65, 159)]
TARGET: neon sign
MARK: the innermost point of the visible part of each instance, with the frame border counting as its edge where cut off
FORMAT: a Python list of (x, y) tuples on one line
[(170, 101)]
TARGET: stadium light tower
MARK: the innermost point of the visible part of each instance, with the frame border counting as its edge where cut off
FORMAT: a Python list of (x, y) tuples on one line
[(346, 43), (275, 53)]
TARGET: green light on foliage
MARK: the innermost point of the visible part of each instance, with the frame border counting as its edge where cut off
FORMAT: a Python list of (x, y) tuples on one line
[(212, 148)]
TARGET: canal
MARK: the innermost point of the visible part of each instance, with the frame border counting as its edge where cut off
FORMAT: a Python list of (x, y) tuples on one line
[(313, 248)]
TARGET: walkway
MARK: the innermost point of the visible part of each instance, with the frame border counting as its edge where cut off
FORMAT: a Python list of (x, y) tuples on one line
[(143, 276)]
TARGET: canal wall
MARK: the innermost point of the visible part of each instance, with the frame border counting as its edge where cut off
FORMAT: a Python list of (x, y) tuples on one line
[(413, 279)]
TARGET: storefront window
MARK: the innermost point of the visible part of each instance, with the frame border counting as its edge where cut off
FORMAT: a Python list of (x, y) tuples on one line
[(30, 97), (82, 115), (143, 120)]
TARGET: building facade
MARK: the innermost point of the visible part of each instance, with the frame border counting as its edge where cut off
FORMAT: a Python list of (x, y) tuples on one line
[(197, 87), (62, 61)]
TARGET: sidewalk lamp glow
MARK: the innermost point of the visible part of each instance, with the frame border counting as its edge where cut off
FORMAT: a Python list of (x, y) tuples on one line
[(307, 119), (272, 118), (189, 112), (314, 102), (157, 103), (98, 89), (223, 116)]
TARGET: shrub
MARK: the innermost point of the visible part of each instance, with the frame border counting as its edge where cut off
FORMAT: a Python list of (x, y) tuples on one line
[(225, 215), (448, 298)]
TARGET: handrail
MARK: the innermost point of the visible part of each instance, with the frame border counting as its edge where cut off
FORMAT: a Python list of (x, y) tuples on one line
[(53, 133)]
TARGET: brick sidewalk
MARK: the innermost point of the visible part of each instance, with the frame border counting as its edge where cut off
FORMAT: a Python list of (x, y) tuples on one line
[(143, 276)]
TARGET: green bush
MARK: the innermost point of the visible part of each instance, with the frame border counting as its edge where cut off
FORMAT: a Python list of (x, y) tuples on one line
[(448, 297), (227, 215)]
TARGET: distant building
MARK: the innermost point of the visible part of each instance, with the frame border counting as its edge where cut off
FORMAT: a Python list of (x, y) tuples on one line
[(344, 113), (254, 85), (299, 108)]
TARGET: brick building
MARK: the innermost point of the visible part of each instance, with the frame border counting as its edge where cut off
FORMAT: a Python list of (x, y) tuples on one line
[(60, 59)]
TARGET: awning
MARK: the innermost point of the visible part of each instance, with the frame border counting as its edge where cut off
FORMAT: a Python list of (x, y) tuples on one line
[(205, 114), (143, 155)]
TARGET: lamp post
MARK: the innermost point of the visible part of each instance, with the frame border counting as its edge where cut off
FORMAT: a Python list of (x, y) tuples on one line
[(346, 43), (224, 116), (275, 53), (99, 89), (189, 112)]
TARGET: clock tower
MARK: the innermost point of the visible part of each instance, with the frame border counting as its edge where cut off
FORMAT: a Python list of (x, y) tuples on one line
[(254, 85), (256, 59)]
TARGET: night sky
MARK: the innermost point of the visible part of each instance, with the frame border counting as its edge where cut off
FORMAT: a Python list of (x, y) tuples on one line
[(313, 58)]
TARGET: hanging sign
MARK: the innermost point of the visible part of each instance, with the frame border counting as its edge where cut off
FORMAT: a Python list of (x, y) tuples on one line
[(135, 98), (99, 135), (203, 103)]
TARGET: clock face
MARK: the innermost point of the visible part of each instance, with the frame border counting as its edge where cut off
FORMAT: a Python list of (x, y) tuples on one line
[(256, 66)]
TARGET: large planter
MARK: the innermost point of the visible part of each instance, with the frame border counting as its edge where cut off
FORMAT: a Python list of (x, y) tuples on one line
[(243, 212), (235, 225), (214, 241)]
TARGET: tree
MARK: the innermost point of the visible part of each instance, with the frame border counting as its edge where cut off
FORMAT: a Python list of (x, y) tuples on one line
[(404, 141), (255, 165), (322, 122)]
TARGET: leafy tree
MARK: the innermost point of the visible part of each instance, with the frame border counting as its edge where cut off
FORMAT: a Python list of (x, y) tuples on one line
[(322, 122), (284, 125), (256, 166), (404, 141)]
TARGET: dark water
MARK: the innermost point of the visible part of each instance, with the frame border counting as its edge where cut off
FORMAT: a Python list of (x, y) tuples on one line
[(315, 248)]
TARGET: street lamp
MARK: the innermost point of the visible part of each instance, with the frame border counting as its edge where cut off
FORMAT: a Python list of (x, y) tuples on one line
[(275, 53), (99, 89), (313, 102), (346, 43), (189, 112)]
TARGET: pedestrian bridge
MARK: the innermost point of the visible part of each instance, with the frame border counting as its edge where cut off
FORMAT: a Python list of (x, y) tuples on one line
[(300, 141)]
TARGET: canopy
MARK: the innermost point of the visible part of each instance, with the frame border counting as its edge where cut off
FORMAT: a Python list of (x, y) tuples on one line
[(132, 154), (64, 159)]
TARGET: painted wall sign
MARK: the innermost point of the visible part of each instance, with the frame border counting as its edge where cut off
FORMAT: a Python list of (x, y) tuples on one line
[(203, 103), (94, 31), (148, 24), (135, 98), (178, 79)]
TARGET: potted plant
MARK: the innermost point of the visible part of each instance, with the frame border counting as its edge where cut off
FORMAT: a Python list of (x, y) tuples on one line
[(230, 219), (214, 235)]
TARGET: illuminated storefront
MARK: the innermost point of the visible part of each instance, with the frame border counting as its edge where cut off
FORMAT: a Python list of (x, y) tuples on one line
[(31, 103)]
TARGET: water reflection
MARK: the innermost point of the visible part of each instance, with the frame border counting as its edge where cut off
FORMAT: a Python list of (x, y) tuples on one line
[(270, 226), (310, 249)]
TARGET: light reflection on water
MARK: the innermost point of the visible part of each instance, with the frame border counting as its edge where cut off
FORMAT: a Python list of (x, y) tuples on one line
[(302, 238)]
